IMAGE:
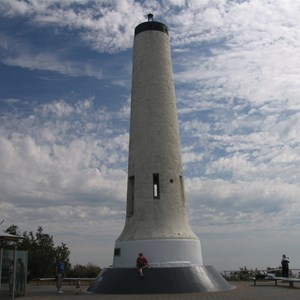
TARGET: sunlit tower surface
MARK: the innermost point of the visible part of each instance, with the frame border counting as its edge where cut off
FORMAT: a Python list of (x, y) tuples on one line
[(156, 216)]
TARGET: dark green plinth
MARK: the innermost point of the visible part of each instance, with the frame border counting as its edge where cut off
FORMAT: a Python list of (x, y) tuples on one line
[(159, 281)]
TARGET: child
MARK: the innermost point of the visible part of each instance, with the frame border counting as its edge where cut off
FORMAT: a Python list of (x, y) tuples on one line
[(141, 264)]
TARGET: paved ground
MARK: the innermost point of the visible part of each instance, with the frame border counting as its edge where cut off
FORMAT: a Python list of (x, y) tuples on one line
[(243, 291)]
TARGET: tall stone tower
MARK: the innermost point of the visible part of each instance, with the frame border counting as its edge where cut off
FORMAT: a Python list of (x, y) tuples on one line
[(156, 217)]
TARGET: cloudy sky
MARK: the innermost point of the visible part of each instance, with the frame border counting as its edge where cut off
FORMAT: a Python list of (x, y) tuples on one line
[(65, 79)]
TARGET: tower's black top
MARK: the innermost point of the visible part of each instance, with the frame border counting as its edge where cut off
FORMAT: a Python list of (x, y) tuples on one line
[(151, 25)]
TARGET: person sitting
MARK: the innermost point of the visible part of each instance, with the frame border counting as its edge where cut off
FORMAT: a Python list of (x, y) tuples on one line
[(141, 264)]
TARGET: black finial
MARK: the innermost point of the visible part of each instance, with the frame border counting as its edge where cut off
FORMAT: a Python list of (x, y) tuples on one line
[(150, 17)]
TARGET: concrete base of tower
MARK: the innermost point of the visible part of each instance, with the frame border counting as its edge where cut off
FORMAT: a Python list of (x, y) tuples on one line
[(160, 253), (174, 280)]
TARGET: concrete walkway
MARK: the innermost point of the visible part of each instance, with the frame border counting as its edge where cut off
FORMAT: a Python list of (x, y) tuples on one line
[(243, 291)]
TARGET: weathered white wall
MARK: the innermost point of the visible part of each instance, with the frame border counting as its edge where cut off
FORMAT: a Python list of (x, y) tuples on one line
[(155, 148), (160, 253)]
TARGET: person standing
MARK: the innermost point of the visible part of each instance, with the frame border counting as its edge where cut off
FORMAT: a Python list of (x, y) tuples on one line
[(20, 274), (59, 270), (285, 265), (141, 264), (10, 277)]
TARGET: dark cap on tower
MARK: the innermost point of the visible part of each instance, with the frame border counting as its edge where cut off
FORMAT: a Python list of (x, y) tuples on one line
[(151, 25)]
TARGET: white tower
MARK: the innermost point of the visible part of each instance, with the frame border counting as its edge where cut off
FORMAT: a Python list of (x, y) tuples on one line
[(156, 217)]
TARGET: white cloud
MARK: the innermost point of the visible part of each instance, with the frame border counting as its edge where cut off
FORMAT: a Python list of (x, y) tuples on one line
[(219, 205), (53, 156), (24, 56), (71, 184), (254, 55), (105, 26)]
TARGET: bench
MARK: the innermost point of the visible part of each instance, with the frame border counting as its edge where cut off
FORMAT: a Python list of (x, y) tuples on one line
[(275, 279), (67, 279), (291, 281)]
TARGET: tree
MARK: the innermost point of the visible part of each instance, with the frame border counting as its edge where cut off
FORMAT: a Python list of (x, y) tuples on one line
[(42, 252), (88, 271)]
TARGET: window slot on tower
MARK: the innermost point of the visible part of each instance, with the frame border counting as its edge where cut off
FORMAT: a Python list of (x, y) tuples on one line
[(117, 252), (182, 188), (156, 186), (130, 197)]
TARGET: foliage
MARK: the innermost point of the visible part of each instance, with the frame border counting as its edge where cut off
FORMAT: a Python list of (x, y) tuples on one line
[(244, 274), (276, 271), (88, 271), (42, 253), (248, 274)]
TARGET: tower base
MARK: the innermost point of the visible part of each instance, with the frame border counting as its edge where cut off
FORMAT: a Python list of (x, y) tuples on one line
[(159, 281)]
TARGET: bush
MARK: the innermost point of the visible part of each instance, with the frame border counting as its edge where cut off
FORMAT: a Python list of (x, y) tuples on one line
[(88, 271)]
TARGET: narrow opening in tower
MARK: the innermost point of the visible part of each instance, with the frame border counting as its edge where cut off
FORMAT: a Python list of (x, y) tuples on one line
[(182, 188), (156, 186), (117, 252), (130, 197)]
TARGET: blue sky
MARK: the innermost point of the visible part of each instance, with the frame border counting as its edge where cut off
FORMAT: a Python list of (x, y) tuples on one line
[(65, 80)]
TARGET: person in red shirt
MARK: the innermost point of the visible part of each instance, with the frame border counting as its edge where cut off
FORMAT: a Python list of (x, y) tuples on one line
[(141, 264)]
